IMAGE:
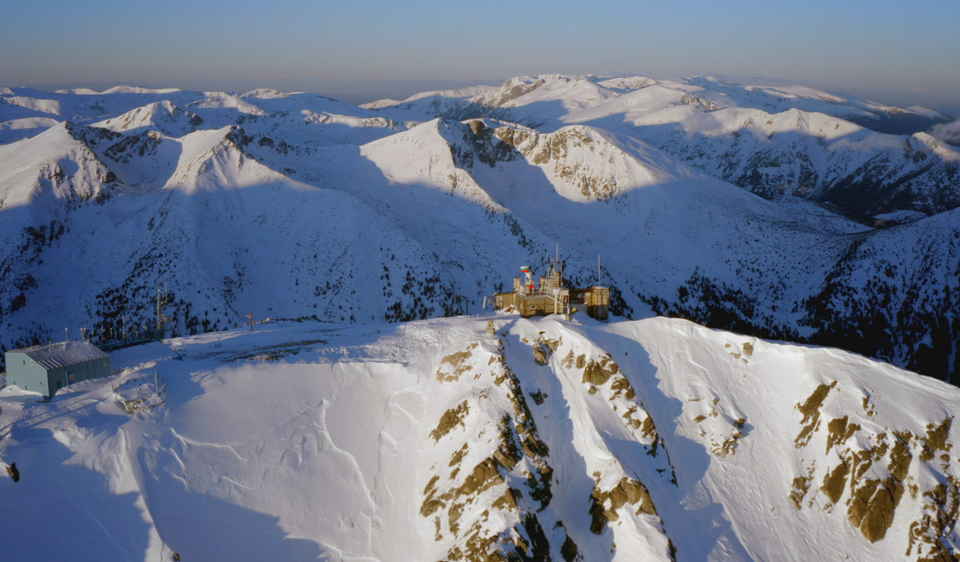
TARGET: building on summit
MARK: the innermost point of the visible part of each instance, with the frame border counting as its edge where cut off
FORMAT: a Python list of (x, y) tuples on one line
[(551, 297)]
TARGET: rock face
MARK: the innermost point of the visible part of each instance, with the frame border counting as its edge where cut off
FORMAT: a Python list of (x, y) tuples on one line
[(875, 470)]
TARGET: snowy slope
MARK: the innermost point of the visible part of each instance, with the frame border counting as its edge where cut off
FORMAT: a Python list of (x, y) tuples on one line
[(554, 95), (55, 165), (438, 440), (296, 205), (772, 138), (163, 117)]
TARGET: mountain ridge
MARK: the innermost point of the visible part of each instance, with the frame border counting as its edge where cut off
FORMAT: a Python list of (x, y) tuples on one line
[(448, 208), (489, 438)]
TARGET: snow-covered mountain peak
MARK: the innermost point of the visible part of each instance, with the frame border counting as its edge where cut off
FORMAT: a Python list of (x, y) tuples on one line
[(926, 141), (139, 90), (214, 160), (627, 83), (435, 154), (224, 100), (55, 165), (18, 129), (588, 165), (163, 116), (264, 94), (41, 106), (476, 438), (380, 104), (79, 91), (571, 92)]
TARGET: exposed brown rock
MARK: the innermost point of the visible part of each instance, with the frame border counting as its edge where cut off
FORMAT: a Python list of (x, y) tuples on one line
[(728, 446), (458, 456), (936, 439), (507, 501), (627, 491), (900, 456), (430, 504), (811, 413), (872, 507), (450, 419), (835, 482), (801, 484), (941, 506), (540, 355), (599, 372), (456, 362), (839, 430), (621, 386), (498, 475)]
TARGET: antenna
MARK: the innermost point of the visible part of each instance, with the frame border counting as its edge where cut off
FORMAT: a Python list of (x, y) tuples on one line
[(559, 267), (599, 284)]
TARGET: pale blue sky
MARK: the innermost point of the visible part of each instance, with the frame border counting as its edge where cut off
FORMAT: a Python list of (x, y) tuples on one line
[(892, 51)]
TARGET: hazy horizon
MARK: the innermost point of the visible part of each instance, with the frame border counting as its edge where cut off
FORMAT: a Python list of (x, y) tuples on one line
[(361, 91), (886, 51)]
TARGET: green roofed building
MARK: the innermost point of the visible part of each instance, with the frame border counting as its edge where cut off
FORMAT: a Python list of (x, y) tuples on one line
[(48, 368)]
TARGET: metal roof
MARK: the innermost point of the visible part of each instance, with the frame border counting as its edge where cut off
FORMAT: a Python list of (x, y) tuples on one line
[(62, 354)]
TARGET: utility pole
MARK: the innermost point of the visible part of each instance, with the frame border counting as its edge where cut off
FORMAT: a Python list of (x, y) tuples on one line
[(162, 300), (159, 313), (250, 316)]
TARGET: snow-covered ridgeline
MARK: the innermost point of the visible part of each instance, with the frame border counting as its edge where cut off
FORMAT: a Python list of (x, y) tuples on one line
[(295, 205), (440, 439)]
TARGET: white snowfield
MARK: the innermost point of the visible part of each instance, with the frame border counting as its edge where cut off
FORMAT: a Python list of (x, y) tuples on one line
[(548, 439), (727, 201)]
